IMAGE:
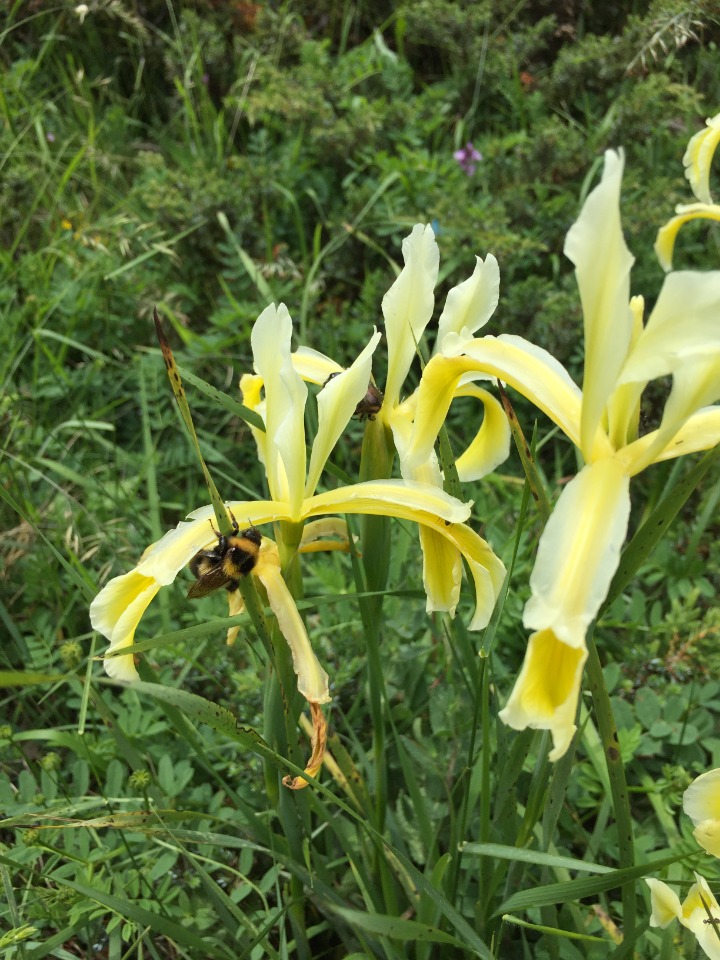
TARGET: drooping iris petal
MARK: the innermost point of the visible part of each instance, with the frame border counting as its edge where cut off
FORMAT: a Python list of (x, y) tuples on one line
[(667, 235), (701, 431), (486, 569), (313, 681), (545, 695), (285, 396), (596, 246), (408, 306), (491, 444), (442, 571), (701, 802), (470, 304), (336, 405), (665, 903), (115, 613), (698, 158), (579, 552)]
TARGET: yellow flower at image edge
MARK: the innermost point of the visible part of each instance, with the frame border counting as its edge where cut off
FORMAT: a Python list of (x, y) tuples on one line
[(697, 912), (701, 802)]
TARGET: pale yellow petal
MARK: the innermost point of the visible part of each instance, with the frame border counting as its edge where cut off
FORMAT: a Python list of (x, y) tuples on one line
[(285, 396), (314, 366), (579, 552), (251, 388), (313, 681), (623, 409), (486, 569), (408, 306), (707, 835), (115, 613), (596, 246), (324, 528), (236, 605), (336, 405), (698, 158), (683, 326), (442, 571), (699, 907), (545, 695), (695, 383), (470, 304), (491, 444), (701, 431), (665, 903), (164, 559), (701, 800), (667, 235), (391, 498)]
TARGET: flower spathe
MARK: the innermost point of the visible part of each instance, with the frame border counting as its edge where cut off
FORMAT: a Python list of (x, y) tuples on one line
[(701, 802), (696, 912), (580, 547)]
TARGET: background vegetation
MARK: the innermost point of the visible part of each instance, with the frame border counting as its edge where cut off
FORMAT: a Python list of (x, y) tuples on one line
[(208, 157)]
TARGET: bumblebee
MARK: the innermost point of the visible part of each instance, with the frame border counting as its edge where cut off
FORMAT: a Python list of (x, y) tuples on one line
[(370, 404), (223, 566)]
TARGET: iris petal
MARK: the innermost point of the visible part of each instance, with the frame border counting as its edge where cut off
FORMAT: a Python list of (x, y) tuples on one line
[(545, 695), (579, 552), (336, 405), (470, 304), (408, 306), (596, 246), (698, 158)]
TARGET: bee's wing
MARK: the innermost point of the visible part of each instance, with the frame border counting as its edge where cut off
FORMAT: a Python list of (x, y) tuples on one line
[(212, 580)]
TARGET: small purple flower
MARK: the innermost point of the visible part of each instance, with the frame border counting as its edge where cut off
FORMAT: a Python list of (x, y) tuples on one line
[(468, 158), (50, 137)]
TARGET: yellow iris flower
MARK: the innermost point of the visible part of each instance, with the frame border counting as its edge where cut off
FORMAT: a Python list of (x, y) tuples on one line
[(697, 912), (580, 547), (118, 608)]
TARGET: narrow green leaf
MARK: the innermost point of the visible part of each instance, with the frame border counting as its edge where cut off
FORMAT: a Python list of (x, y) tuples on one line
[(222, 517), (396, 927), (587, 887), (503, 852)]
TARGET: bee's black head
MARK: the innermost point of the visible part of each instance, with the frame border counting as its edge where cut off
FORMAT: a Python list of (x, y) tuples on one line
[(252, 534)]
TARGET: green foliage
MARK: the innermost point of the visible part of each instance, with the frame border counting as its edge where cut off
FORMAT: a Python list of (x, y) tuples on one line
[(321, 132)]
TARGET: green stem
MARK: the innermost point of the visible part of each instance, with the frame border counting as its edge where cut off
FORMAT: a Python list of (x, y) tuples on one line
[(616, 773)]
